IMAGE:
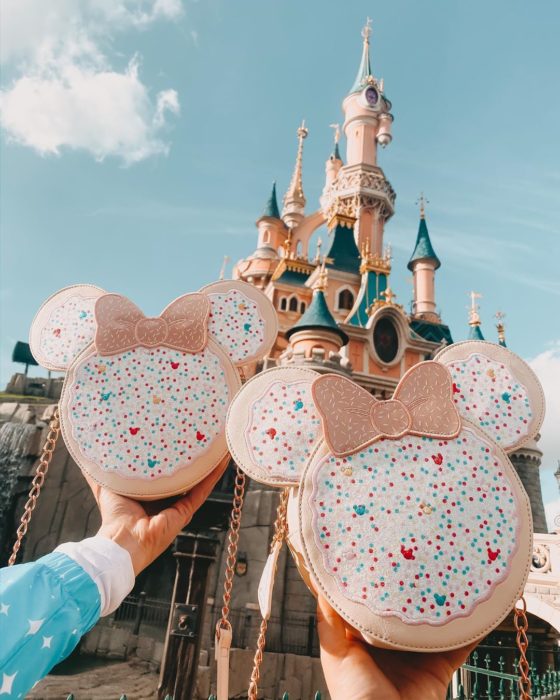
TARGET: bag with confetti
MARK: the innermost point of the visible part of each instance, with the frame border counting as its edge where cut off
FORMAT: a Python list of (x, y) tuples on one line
[(407, 514), (144, 400)]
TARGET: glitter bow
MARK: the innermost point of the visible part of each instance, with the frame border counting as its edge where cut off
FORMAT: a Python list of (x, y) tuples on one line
[(421, 405), (121, 326)]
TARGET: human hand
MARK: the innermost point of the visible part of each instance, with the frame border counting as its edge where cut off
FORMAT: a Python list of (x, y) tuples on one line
[(145, 529), (355, 670)]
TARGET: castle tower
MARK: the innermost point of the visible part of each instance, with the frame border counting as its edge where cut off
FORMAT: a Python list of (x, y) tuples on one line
[(360, 188), (316, 338), (259, 267), (294, 199), (423, 264), (475, 332)]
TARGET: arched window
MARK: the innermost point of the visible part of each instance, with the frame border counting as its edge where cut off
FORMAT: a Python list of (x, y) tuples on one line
[(293, 304), (266, 237), (345, 300), (302, 307), (283, 304)]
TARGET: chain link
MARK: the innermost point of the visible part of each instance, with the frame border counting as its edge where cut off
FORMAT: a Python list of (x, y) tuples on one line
[(37, 484), (233, 542), (522, 625), (280, 532)]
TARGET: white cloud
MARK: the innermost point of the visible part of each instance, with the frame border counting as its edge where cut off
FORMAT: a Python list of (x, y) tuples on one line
[(546, 366), (66, 93)]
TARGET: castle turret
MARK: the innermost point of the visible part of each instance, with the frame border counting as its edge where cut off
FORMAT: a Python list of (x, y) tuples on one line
[(424, 263), (294, 199), (259, 267), (360, 188), (317, 328)]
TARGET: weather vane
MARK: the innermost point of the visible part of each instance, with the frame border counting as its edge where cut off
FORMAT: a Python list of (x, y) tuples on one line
[(336, 128), (366, 31)]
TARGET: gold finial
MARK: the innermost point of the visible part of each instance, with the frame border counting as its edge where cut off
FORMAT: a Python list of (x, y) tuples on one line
[(388, 295), (366, 31), (223, 269), (287, 244), (421, 202), (321, 283), (336, 128), (474, 317), (500, 326), (318, 248)]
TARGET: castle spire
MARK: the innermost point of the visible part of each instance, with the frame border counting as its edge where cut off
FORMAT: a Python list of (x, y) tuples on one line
[(364, 75), (475, 332), (294, 199)]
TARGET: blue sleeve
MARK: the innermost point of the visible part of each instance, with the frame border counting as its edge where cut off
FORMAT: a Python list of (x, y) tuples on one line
[(45, 607)]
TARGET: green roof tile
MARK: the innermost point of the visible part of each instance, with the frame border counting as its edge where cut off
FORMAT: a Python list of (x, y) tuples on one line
[(344, 251), (475, 333), (423, 249), (318, 316), (434, 332)]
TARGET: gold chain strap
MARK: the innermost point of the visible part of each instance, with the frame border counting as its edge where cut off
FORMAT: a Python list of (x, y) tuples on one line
[(522, 625), (280, 532), (37, 484), (233, 542)]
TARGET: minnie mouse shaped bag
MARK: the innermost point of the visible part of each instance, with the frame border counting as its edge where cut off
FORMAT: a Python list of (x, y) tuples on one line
[(407, 514), (144, 401)]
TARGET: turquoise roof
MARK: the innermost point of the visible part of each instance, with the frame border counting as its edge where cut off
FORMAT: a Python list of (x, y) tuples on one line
[(364, 71), (475, 333), (271, 207), (292, 277), (502, 343), (373, 284), (318, 316), (434, 332), (336, 153), (344, 251), (423, 249)]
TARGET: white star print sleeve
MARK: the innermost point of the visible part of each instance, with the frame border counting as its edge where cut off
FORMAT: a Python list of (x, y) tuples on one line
[(46, 606)]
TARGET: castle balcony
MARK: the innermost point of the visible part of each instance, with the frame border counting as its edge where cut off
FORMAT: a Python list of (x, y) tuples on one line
[(359, 186)]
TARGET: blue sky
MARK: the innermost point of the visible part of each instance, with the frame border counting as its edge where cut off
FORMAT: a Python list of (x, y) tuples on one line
[(140, 139)]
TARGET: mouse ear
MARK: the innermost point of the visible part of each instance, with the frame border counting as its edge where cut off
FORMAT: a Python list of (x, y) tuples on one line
[(273, 426), (242, 320), (64, 326), (496, 390)]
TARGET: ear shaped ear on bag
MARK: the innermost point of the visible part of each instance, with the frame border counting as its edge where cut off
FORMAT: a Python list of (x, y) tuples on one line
[(273, 425), (242, 320), (496, 390), (64, 326)]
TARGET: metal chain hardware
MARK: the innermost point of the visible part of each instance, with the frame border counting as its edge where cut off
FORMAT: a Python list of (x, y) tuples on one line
[(37, 484), (280, 532), (233, 541), (522, 625)]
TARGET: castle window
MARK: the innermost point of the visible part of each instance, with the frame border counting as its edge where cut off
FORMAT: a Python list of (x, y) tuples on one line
[(302, 307), (293, 304), (266, 237), (283, 304), (344, 300)]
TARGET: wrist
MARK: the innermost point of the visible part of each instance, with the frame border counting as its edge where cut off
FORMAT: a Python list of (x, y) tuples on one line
[(121, 535)]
